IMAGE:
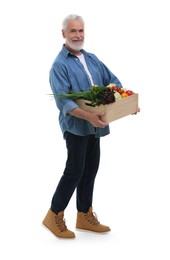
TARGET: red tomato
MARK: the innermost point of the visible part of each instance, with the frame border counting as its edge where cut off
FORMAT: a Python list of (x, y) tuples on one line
[(129, 92), (120, 91)]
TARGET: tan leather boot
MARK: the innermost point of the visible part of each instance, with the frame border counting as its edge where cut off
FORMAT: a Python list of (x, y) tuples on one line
[(56, 224), (89, 221)]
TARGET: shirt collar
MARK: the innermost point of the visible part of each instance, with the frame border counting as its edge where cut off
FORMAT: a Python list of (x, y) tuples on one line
[(66, 52)]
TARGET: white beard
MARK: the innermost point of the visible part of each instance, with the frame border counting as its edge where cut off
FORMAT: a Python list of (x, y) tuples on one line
[(75, 47)]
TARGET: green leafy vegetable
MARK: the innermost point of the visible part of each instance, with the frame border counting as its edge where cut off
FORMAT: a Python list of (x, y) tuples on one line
[(97, 95)]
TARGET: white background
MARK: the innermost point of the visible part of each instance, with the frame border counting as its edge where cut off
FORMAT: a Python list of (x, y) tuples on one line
[(132, 189)]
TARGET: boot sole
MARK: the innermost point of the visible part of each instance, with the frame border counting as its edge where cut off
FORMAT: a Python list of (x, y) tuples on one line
[(51, 232), (91, 231)]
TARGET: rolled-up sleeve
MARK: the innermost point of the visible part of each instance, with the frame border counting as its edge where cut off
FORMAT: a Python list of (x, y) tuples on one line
[(66, 105), (60, 85)]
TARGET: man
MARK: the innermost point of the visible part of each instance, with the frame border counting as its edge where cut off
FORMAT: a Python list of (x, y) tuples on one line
[(75, 69)]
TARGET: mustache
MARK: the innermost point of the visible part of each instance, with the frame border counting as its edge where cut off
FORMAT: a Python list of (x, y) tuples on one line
[(77, 39)]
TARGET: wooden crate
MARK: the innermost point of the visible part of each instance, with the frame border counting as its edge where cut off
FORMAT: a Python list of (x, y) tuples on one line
[(121, 108)]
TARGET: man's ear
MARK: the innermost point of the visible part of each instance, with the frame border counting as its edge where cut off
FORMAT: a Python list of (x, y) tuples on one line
[(63, 33)]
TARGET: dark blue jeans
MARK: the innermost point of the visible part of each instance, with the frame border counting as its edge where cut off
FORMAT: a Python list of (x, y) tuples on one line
[(83, 156)]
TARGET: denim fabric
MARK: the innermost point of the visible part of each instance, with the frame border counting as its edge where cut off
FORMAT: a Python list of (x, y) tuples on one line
[(80, 172), (67, 73)]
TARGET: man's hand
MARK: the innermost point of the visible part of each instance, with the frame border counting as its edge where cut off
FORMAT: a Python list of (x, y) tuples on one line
[(93, 117), (138, 110)]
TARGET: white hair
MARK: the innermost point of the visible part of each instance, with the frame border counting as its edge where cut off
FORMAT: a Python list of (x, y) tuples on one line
[(69, 18)]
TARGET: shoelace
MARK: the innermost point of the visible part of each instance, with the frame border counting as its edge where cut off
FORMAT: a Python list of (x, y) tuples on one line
[(92, 218), (60, 221)]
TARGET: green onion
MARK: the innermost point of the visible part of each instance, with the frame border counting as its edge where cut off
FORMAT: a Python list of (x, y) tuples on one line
[(96, 95)]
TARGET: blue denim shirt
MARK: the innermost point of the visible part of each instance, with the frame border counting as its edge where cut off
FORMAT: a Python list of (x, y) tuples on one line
[(67, 73)]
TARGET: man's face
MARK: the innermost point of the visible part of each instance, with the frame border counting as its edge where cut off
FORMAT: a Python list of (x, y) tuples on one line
[(74, 35)]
